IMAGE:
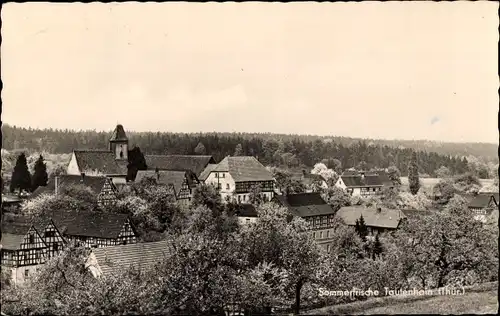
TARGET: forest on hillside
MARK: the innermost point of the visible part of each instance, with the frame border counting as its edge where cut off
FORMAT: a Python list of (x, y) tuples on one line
[(293, 151)]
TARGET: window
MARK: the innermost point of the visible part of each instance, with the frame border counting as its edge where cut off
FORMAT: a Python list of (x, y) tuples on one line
[(320, 235), (314, 235), (216, 175), (49, 233), (26, 274), (328, 248), (228, 187), (55, 247), (328, 234), (239, 198), (248, 220), (31, 238), (219, 186), (223, 175)]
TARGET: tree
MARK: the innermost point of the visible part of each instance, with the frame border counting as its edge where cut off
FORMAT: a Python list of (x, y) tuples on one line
[(394, 175), (361, 228), (443, 191), (328, 174), (255, 195), (208, 196), (136, 162), (40, 176), (288, 247), (443, 172), (21, 177), (377, 247), (413, 179), (200, 149), (238, 151), (336, 197)]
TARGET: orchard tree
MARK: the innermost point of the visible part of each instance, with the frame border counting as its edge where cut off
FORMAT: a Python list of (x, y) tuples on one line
[(207, 195), (21, 177), (443, 191), (336, 197), (443, 172), (40, 176), (413, 179), (288, 247), (200, 149)]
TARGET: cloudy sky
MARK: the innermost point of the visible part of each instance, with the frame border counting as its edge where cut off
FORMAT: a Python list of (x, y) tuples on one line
[(381, 70)]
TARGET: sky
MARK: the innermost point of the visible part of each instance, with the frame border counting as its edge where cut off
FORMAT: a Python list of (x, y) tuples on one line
[(398, 70)]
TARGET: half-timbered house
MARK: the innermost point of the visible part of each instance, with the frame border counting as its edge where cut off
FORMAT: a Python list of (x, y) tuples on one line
[(318, 214), (23, 249), (182, 183), (377, 220), (235, 177), (52, 237), (94, 228), (103, 187)]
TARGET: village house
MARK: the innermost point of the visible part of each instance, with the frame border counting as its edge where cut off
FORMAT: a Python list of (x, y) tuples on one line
[(363, 184), (318, 214), (11, 202), (312, 182), (193, 163), (23, 249), (93, 228), (114, 260), (236, 176), (103, 187), (377, 220), (111, 163), (483, 205), (246, 213), (182, 183)]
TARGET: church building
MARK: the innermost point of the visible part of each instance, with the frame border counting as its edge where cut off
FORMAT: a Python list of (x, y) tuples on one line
[(111, 163)]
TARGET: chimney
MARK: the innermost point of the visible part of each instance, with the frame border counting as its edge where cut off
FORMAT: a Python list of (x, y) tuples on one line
[(56, 185), (83, 177)]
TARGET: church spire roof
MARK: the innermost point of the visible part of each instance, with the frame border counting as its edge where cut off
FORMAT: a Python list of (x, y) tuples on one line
[(119, 134)]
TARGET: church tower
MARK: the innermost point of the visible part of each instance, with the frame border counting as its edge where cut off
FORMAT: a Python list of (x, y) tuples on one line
[(118, 143)]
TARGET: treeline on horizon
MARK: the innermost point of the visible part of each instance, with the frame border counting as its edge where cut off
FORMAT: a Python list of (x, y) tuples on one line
[(274, 149)]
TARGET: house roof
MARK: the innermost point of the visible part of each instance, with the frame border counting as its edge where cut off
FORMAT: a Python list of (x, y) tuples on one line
[(119, 134), (385, 218), (93, 182), (209, 168), (246, 210), (244, 168), (358, 181), (416, 213), (11, 241), (482, 200), (114, 259), (88, 223), (169, 177), (101, 161), (305, 204), (11, 199), (194, 163), (14, 228)]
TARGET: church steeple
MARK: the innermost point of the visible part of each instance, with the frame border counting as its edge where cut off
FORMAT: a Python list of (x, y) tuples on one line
[(118, 143)]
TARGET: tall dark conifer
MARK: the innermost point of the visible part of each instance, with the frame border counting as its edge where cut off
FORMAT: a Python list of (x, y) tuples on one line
[(21, 177), (413, 179), (136, 162), (40, 176)]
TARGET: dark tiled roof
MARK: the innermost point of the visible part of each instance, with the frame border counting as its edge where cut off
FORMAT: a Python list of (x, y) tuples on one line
[(93, 182), (114, 259), (14, 228), (482, 200), (88, 223), (204, 174), (305, 204), (119, 134), (101, 161), (358, 181), (244, 168), (386, 218), (246, 210), (169, 177), (11, 241), (194, 163)]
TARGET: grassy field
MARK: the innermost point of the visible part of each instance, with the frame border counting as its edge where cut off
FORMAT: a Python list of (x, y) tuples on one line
[(430, 182), (476, 300)]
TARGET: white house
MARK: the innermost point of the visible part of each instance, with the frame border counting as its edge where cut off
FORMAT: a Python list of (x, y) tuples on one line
[(235, 176), (362, 184)]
